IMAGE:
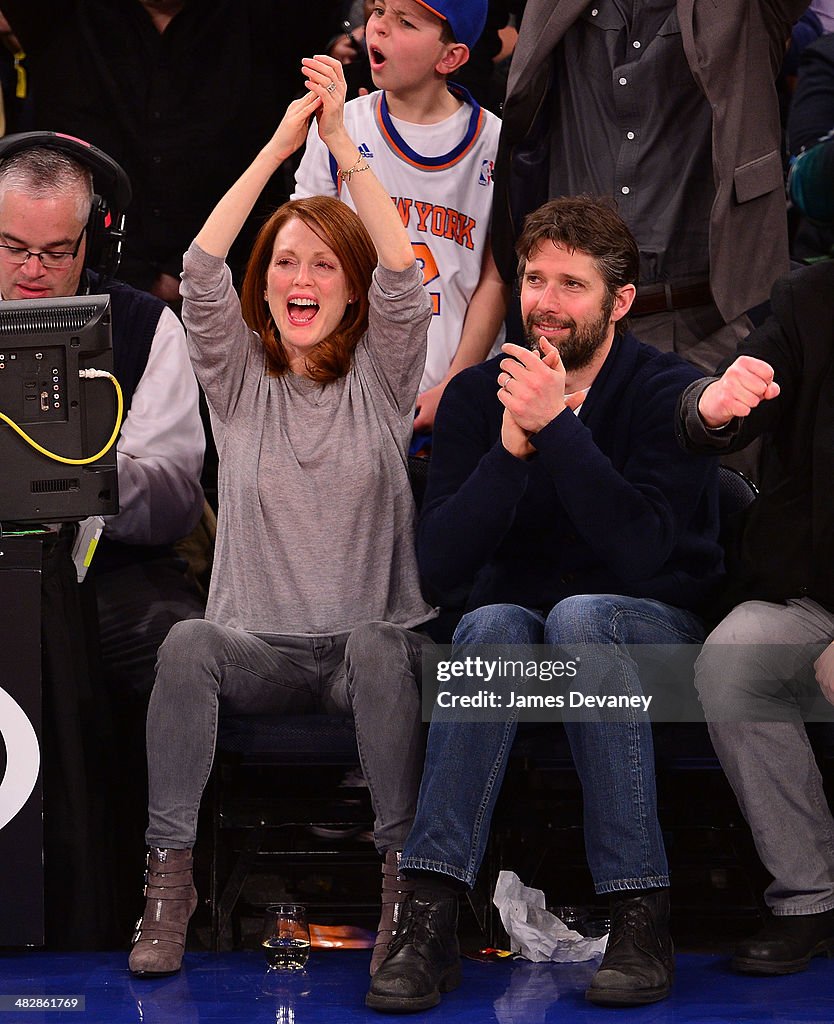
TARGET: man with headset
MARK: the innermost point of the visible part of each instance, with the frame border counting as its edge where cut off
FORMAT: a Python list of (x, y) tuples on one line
[(59, 238)]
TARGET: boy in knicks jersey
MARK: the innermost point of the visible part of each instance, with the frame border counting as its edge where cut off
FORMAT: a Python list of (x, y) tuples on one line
[(433, 149)]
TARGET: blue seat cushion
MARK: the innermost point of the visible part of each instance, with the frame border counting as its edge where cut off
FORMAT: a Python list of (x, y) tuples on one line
[(308, 739)]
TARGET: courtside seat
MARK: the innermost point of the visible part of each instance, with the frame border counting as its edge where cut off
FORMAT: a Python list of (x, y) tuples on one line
[(283, 820)]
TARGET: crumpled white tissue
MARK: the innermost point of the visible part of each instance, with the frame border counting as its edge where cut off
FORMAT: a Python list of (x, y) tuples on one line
[(535, 932)]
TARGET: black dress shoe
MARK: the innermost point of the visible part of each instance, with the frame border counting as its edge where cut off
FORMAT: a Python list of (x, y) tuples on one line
[(786, 944), (423, 959), (639, 963)]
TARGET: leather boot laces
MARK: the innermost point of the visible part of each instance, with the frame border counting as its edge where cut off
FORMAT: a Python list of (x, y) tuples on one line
[(632, 921), (417, 926)]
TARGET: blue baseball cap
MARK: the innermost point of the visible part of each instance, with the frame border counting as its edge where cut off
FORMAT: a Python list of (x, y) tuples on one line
[(466, 17)]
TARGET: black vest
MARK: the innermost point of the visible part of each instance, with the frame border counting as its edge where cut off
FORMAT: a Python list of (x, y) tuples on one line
[(135, 318)]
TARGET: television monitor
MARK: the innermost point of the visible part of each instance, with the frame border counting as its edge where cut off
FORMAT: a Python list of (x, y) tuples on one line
[(44, 343)]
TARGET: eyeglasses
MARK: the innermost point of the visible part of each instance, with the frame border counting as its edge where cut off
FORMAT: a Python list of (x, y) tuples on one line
[(49, 260)]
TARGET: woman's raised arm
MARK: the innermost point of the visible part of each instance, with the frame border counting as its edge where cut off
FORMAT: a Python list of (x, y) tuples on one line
[(326, 80)]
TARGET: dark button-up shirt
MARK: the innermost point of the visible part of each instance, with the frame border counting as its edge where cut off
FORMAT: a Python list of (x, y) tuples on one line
[(630, 121)]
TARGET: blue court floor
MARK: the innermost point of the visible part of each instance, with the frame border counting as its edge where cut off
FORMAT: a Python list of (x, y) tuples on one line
[(237, 987)]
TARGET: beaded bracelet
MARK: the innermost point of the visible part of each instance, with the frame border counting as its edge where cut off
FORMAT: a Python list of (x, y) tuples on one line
[(360, 165)]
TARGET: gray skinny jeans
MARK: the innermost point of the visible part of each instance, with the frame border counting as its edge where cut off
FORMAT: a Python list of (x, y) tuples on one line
[(204, 669), (770, 763)]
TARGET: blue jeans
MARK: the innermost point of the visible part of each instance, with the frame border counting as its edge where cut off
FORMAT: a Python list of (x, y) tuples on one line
[(466, 761)]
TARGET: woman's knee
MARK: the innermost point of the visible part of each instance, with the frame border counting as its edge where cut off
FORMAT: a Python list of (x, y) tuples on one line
[(383, 659), (190, 650), (376, 636)]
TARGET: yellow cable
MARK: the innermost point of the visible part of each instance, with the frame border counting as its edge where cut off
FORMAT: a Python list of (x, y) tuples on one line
[(62, 458), (20, 75)]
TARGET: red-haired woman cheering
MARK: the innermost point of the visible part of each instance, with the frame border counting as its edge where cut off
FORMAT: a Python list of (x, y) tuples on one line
[(311, 382)]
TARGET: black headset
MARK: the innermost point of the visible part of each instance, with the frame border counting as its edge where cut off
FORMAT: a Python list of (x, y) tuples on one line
[(106, 226)]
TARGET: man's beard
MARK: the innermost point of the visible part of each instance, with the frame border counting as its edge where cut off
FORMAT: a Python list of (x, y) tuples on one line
[(580, 346)]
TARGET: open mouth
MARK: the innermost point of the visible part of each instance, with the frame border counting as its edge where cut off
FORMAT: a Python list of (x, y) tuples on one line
[(377, 57), (302, 311)]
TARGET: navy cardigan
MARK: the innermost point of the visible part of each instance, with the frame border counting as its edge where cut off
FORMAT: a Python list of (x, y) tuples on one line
[(608, 504)]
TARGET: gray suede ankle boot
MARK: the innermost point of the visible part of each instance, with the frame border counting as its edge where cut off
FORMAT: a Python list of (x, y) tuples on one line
[(170, 900), (394, 889)]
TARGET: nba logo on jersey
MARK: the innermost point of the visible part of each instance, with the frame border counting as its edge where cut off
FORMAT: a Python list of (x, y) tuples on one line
[(487, 167)]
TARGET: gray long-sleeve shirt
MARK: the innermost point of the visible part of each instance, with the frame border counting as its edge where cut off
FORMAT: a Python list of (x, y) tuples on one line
[(316, 521)]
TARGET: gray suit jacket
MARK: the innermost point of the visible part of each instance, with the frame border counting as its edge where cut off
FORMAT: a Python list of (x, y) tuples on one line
[(734, 49)]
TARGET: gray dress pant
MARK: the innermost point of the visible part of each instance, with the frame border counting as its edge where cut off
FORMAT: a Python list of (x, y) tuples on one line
[(698, 334), (755, 678), (204, 669)]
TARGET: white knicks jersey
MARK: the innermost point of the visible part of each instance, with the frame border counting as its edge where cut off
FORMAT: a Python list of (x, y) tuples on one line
[(445, 202)]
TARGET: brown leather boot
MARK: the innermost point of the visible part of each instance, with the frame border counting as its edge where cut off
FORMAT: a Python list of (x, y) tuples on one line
[(170, 900), (394, 889)]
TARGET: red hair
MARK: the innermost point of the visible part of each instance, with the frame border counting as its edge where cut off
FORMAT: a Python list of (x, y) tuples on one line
[(342, 230)]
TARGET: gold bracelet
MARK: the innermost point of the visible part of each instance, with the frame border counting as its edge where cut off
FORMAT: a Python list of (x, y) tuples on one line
[(360, 165)]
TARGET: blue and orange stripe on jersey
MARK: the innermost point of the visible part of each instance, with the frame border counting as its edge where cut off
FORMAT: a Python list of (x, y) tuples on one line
[(399, 146), (431, 163)]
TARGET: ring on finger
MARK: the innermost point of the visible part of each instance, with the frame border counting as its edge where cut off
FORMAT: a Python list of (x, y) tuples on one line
[(331, 87)]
